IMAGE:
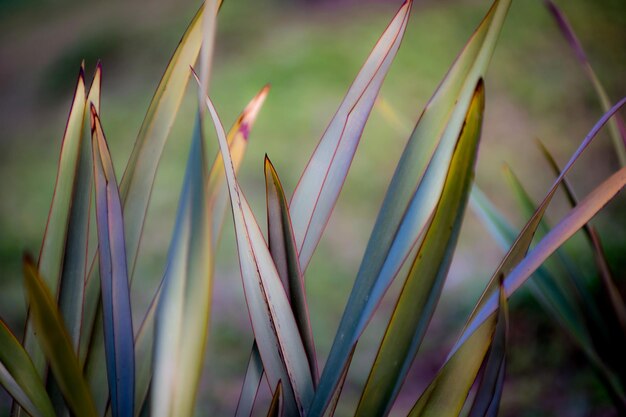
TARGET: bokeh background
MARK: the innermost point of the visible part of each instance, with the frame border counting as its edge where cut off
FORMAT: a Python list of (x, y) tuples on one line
[(310, 51)]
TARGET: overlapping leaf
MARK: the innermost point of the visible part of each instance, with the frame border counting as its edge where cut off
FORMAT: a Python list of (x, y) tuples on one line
[(447, 393), (413, 193), (19, 377), (319, 186), (424, 284), (184, 304), (118, 326), (56, 344), (276, 331)]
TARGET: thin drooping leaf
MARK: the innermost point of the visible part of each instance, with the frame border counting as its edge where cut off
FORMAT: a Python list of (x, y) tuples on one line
[(319, 186), (53, 245), (276, 406), (182, 316), (422, 289), (615, 298), (489, 392), (412, 195), (19, 377), (275, 328), (447, 393), (217, 195), (56, 344), (251, 384), (282, 246), (118, 325), (566, 228), (617, 128), (136, 184)]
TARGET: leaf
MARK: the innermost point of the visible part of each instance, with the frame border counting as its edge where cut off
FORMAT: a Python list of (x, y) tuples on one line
[(251, 383), (55, 343), (565, 229), (217, 195), (283, 249), (489, 392), (237, 139), (617, 129), (319, 186), (422, 289), (615, 298), (118, 325), (276, 406), (447, 393), (20, 378), (182, 316), (275, 328), (53, 245), (412, 195)]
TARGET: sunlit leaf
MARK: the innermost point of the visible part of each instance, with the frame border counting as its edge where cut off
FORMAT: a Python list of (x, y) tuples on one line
[(319, 186), (56, 344), (19, 377), (413, 194), (275, 328), (282, 247), (118, 326), (422, 289), (447, 393)]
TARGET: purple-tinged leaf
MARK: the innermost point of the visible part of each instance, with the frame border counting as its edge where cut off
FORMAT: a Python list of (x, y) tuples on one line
[(118, 325)]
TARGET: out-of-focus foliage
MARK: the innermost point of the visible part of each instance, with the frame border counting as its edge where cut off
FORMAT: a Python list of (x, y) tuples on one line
[(81, 353)]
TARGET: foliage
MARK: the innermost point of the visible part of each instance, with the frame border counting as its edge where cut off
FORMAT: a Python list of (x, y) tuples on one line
[(82, 355)]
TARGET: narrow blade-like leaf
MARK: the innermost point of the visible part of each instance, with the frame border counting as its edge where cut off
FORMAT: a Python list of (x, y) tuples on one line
[(118, 326), (276, 406), (319, 186), (251, 383), (276, 331), (282, 246), (413, 194), (447, 393), (184, 303), (617, 128), (424, 284), (20, 378), (56, 344)]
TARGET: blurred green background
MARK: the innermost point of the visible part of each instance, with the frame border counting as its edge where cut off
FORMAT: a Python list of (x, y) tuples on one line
[(310, 51)]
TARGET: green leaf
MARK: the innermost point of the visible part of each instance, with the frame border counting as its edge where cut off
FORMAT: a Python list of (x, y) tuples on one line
[(412, 195), (283, 249), (275, 328), (319, 186), (425, 280), (617, 129), (182, 316), (56, 344), (54, 240), (20, 378), (118, 325), (447, 393)]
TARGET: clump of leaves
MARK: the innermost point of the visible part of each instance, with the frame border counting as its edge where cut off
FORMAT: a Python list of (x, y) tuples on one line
[(81, 355)]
